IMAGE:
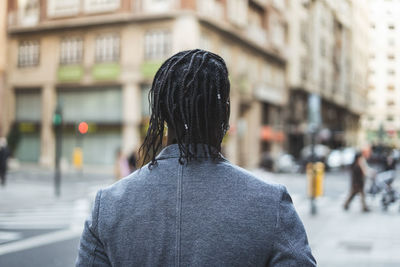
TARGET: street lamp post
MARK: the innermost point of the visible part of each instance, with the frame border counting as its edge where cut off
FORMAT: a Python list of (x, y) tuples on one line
[(57, 122)]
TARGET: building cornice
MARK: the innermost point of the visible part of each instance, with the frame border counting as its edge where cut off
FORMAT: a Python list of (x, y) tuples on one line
[(125, 18), (237, 35), (89, 21)]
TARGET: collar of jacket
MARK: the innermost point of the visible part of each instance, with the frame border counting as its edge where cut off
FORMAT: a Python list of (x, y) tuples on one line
[(172, 151)]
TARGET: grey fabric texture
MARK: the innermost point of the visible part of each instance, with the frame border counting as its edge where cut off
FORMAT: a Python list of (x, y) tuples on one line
[(204, 213)]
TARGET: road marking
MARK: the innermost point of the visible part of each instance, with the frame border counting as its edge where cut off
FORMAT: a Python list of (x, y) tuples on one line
[(41, 240), (9, 236), (56, 216)]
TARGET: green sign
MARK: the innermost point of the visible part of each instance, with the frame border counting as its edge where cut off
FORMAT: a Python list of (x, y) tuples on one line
[(27, 127), (57, 119), (106, 71), (70, 73), (243, 85), (149, 68)]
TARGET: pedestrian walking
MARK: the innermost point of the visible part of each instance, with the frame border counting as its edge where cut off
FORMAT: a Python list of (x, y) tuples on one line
[(121, 167), (4, 154), (359, 171), (189, 206)]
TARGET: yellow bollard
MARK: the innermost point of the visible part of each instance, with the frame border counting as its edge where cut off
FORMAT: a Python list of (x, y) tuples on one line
[(77, 158), (315, 179), (319, 175)]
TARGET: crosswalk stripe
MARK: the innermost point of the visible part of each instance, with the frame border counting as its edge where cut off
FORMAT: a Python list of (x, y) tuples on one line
[(40, 240), (48, 216)]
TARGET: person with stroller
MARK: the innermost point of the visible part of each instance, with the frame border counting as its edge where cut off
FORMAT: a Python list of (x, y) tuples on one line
[(359, 171)]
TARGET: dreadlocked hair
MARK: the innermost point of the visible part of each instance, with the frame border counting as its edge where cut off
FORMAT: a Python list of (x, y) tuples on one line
[(190, 93)]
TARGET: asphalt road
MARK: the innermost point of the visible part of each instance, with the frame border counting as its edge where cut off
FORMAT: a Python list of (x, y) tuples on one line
[(59, 254), (39, 229)]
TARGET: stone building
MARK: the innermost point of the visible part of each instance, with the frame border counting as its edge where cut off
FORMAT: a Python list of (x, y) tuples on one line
[(3, 43), (382, 121), (96, 59), (328, 53)]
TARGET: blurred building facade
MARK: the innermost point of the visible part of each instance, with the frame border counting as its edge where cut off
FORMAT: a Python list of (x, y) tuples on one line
[(382, 121), (3, 44), (328, 54), (96, 59)]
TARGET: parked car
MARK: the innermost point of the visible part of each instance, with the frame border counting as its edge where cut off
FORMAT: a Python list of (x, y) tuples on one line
[(334, 159), (286, 163), (339, 158), (348, 154), (321, 154)]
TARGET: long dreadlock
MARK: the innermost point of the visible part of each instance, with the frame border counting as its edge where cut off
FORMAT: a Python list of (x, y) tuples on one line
[(190, 92)]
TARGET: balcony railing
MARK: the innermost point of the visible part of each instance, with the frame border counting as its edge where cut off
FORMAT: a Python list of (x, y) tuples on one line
[(257, 34), (18, 18), (210, 8)]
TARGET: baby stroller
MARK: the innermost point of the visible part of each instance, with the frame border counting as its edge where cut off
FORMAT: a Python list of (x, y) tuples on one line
[(382, 183)]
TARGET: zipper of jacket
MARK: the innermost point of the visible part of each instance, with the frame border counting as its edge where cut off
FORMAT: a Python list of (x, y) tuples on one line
[(178, 216)]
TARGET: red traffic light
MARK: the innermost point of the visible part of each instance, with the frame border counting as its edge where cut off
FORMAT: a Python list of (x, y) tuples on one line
[(83, 127)]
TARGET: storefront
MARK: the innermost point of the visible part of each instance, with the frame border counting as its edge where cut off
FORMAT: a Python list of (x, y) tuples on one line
[(26, 130), (101, 109)]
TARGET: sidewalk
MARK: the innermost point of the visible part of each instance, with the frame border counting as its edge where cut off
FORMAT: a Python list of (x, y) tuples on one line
[(32, 185), (345, 239), (337, 238)]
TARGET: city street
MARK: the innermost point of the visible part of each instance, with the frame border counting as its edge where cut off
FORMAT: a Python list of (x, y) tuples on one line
[(38, 229)]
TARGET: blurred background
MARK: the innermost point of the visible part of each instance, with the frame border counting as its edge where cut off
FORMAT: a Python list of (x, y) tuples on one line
[(310, 79)]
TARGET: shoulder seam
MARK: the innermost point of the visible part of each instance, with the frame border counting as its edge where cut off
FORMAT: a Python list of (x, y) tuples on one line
[(278, 215)]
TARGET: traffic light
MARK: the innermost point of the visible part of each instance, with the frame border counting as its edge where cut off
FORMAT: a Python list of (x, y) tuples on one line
[(57, 117), (83, 127)]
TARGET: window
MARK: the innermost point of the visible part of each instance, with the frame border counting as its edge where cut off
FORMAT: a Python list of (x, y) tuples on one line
[(372, 25), (157, 44), (390, 103), (145, 105), (278, 31), (304, 31), (391, 42), (390, 87), (57, 8), (304, 69), (323, 47), (156, 5), (107, 48), (391, 56), (28, 105), (237, 11), (101, 5), (266, 73), (102, 106), (279, 4), (205, 42), (391, 72), (390, 118), (71, 50), (322, 80), (29, 12), (226, 54), (391, 27), (28, 54)]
